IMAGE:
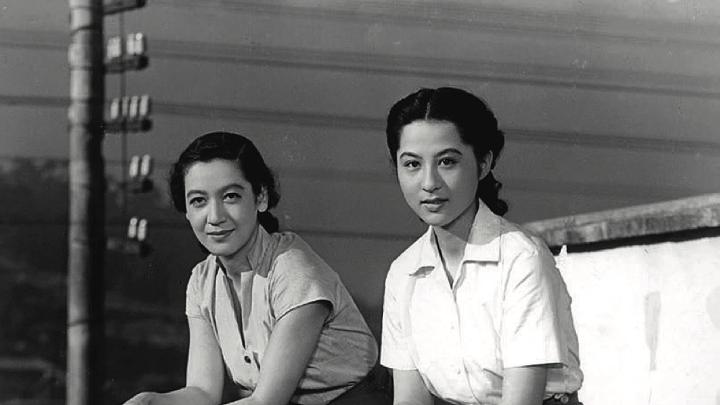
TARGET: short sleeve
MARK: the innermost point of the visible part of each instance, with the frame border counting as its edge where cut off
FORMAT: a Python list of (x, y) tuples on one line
[(531, 333), (193, 296), (395, 347), (299, 278)]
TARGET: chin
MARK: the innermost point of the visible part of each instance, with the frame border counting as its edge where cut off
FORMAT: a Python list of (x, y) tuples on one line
[(436, 220), (224, 252), (217, 250)]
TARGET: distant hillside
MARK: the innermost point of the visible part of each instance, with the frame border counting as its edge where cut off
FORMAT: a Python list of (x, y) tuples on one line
[(145, 325)]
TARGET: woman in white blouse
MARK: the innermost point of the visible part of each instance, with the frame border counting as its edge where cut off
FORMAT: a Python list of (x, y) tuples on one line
[(475, 311)]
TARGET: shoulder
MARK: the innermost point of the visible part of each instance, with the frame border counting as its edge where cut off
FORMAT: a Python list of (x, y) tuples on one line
[(409, 258), (404, 264), (202, 274), (517, 242), (292, 248), (525, 256), (203, 268), (202, 279), (297, 276), (296, 255)]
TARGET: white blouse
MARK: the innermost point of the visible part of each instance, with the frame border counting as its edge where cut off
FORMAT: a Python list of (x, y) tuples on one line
[(508, 307)]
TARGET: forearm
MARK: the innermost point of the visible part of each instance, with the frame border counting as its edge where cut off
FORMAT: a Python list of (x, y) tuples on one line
[(182, 396), (524, 385), (185, 395), (248, 401), (292, 342), (409, 388)]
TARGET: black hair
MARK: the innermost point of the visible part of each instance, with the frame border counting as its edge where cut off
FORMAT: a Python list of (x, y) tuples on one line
[(229, 146), (475, 123)]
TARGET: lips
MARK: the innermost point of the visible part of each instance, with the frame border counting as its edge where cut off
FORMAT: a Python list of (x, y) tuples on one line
[(220, 233), (433, 204)]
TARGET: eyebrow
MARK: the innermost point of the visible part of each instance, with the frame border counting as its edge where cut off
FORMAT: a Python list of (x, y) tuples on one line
[(229, 186), (442, 152), (449, 150)]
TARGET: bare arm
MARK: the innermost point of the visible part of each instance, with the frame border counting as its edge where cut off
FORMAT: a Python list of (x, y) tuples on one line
[(204, 381), (524, 385), (409, 388), (292, 343)]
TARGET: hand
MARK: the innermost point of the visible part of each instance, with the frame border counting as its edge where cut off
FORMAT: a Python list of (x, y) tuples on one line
[(143, 398)]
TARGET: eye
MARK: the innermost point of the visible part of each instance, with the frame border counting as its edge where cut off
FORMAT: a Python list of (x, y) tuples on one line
[(410, 164), (447, 162), (231, 196), (196, 202)]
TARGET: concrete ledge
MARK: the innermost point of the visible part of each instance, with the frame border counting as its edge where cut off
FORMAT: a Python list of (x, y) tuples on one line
[(671, 217)]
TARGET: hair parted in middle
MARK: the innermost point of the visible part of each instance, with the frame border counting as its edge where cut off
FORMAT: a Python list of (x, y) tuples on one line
[(472, 117)]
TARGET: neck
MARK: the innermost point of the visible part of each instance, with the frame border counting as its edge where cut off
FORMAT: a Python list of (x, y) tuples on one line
[(457, 231), (449, 243), (453, 237), (238, 262)]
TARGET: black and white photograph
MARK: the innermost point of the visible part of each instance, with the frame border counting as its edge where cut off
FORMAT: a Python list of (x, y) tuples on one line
[(359, 202)]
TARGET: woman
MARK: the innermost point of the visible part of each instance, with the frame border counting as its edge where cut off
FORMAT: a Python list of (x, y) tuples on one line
[(475, 310), (263, 305)]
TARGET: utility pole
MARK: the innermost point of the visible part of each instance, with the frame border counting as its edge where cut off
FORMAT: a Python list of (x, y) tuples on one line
[(86, 236)]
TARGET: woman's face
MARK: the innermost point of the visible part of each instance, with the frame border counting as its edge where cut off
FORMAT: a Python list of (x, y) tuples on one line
[(438, 173), (222, 207)]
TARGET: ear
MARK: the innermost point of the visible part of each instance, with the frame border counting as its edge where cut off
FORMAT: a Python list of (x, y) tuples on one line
[(262, 200), (485, 165)]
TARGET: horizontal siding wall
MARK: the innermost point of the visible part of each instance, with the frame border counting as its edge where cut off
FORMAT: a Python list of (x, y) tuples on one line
[(603, 107)]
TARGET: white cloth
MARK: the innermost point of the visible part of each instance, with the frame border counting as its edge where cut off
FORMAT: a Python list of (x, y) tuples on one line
[(508, 307)]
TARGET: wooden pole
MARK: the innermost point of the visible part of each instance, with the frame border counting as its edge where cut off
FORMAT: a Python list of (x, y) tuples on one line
[(86, 236)]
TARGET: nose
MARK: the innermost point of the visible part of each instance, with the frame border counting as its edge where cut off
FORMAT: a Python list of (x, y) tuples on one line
[(430, 179), (216, 212)]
